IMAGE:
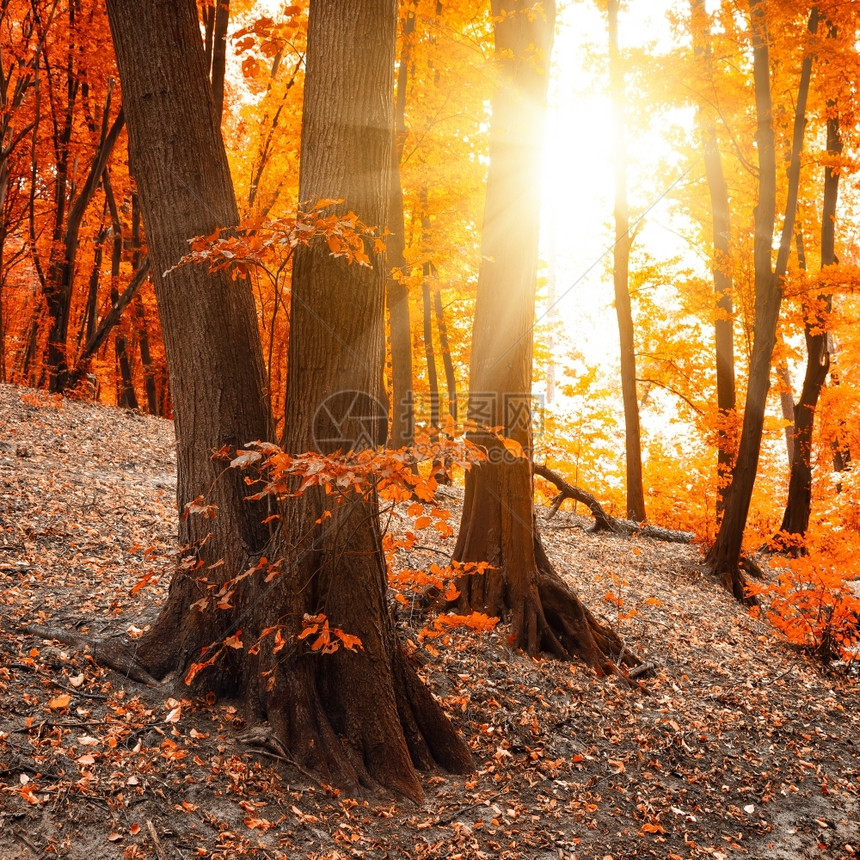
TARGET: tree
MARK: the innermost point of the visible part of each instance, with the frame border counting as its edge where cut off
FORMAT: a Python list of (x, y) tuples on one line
[(720, 217), (621, 264), (795, 520), (355, 716), (397, 293), (497, 524), (724, 555)]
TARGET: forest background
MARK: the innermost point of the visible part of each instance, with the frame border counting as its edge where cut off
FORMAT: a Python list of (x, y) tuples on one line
[(78, 313)]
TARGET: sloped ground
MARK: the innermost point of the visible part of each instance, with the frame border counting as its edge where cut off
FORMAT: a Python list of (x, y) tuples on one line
[(739, 747)]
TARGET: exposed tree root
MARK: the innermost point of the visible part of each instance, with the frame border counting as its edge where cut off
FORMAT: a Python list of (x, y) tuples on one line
[(115, 653), (372, 738), (498, 526), (731, 575), (575, 628)]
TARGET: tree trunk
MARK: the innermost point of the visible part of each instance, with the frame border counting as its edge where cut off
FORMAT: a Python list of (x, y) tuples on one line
[(429, 349), (445, 349), (623, 311), (397, 293), (126, 398), (140, 315), (721, 265), (795, 520), (358, 718), (786, 403), (60, 282), (208, 320), (725, 554), (497, 523)]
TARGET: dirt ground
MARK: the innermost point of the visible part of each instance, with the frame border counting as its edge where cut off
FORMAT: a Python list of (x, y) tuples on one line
[(738, 747)]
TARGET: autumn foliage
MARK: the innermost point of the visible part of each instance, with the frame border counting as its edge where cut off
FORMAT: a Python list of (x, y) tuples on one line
[(72, 248)]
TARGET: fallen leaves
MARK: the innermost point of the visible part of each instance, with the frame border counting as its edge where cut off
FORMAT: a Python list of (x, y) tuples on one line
[(565, 762)]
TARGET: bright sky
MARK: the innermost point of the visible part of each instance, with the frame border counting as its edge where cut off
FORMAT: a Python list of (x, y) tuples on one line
[(577, 224)]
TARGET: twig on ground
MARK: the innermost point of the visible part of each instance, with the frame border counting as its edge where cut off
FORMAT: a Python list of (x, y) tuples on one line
[(156, 842)]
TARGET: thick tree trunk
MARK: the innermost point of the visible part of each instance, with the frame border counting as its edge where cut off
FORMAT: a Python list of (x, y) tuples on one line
[(725, 554), (358, 718), (623, 311), (208, 320), (795, 520), (336, 356), (497, 523)]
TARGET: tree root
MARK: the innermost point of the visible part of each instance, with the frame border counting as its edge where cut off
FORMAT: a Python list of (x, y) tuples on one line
[(114, 653)]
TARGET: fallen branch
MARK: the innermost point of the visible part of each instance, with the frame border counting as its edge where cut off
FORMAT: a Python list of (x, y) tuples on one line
[(602, 520)]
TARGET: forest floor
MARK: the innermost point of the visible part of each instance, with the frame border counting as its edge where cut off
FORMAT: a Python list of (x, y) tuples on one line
[(738, 747)]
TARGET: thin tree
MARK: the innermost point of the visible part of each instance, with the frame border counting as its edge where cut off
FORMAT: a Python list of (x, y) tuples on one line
[(720, 265), (795, 520), (397, 293), (620, 277), (724, 556), (359, 717), (497, 524)]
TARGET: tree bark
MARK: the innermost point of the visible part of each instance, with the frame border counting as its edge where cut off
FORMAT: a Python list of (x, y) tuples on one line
[(208, 320), (621, 263), (725, 554), (497, 523), (358, 718)]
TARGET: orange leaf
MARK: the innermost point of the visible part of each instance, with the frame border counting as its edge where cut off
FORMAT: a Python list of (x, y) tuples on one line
[(235, 641)]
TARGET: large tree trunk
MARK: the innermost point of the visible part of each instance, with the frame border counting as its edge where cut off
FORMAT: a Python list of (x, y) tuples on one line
[(358, 718), (725, 554), (208, 320), (795, 520), (497, 524), (721, 264), (621, 264)]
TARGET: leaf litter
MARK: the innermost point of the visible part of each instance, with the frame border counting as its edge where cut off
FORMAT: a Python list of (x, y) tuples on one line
[(738, 747)]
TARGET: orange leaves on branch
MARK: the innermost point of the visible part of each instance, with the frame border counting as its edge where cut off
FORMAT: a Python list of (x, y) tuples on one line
[(268, 245), (415, 582), (815, 600), (328, 639), (395, 475)]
